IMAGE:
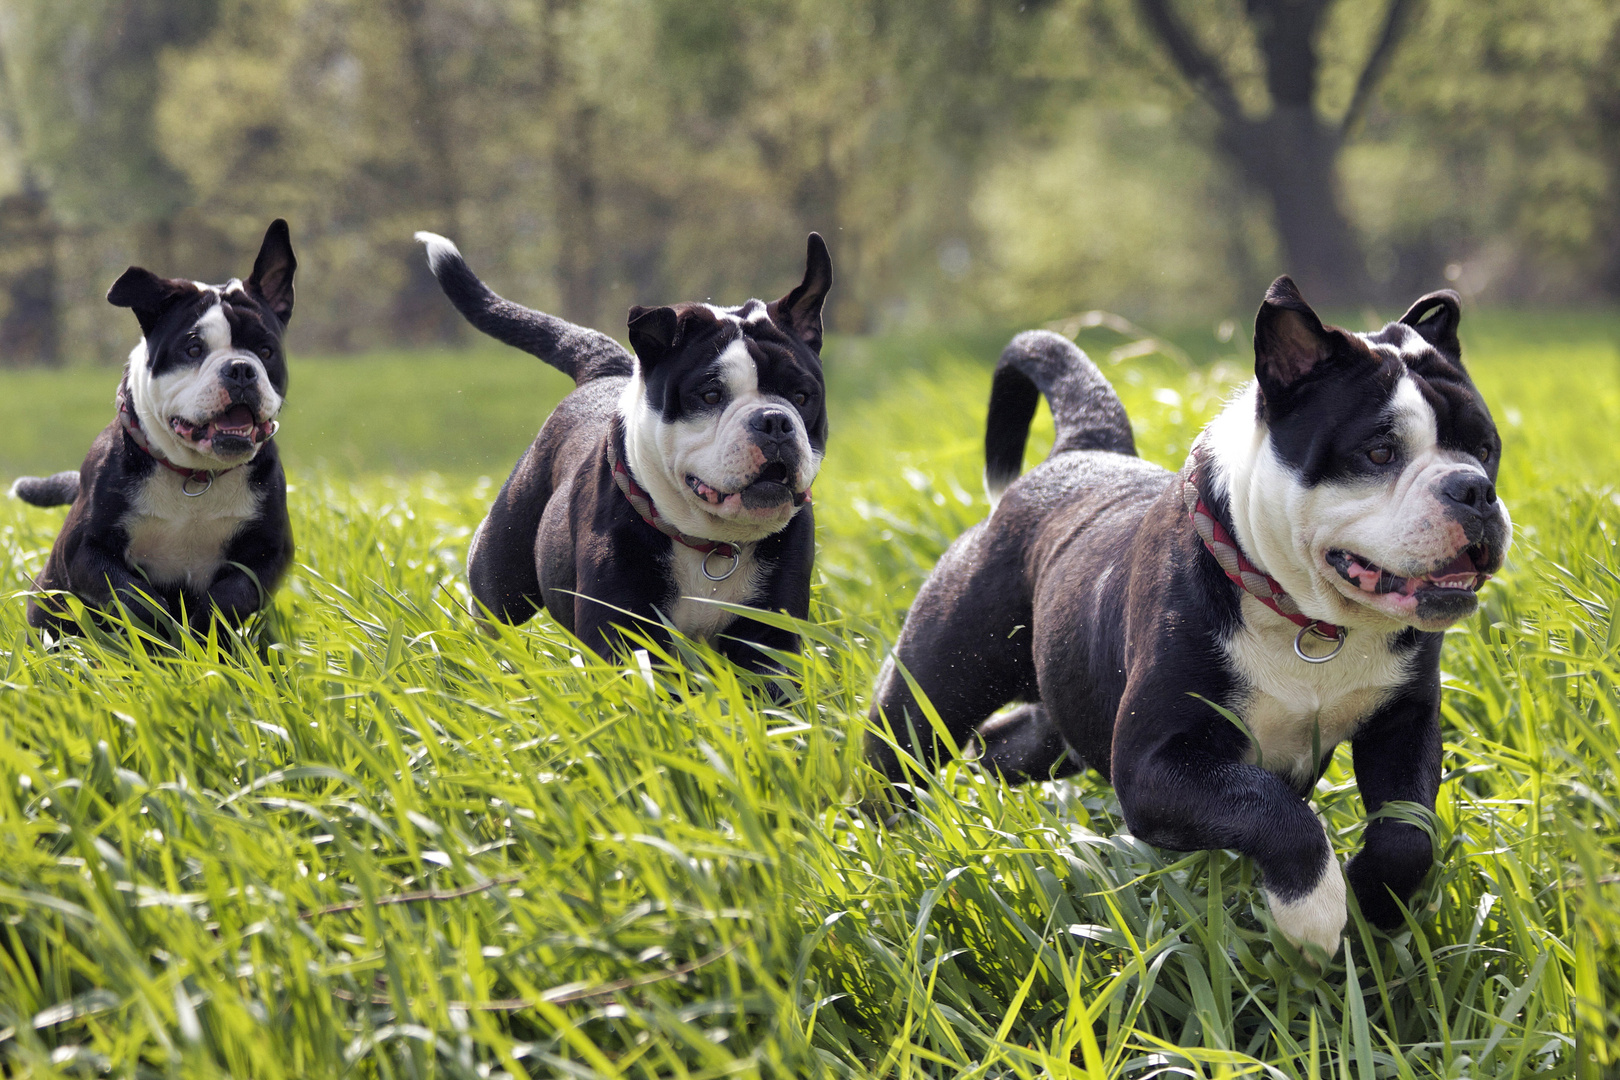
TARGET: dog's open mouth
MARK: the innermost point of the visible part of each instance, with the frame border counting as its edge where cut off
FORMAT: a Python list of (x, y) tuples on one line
[(1465, 573), (771, 488), (236, 423)]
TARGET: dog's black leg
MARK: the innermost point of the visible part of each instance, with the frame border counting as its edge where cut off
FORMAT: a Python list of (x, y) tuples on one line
[(501, 570), (627, 601), (255, 560), (1183, 784), (792, 552), (966, 643), (99, 577), (1397, 757), (1024, 745)]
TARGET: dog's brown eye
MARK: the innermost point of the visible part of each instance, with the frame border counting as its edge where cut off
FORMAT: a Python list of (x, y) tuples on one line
[(194, 350), (1380, 455), (1484, 454), (801, 399), (711, 397), (264, 353)]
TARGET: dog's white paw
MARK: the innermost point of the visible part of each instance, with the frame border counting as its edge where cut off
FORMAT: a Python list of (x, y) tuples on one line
[(1318, 917)]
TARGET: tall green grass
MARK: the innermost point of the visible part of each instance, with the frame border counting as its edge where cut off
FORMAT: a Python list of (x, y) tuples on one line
[(368, 840)]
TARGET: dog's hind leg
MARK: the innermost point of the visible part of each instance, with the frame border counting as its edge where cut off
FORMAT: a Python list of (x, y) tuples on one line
[(1023, 745), (966, 645), (501, 569)]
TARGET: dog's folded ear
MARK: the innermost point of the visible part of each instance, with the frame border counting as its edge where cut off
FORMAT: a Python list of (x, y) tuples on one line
[(654, 333), (1290, 341), (1436, 316), (800, 310), (148, 295), (272, 277)]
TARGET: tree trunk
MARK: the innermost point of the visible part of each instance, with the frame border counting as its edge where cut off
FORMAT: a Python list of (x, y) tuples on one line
[(576, 181), (579, 260), (30, 320), (1290, 158), (1606, 104), (420, 313), (1290, 155)]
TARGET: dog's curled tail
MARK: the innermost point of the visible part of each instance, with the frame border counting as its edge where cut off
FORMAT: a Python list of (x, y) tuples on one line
[(1085, 410), (58, 490), (577, 352)]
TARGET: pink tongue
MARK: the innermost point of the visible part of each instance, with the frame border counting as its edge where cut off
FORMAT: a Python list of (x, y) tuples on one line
[(239, 416)]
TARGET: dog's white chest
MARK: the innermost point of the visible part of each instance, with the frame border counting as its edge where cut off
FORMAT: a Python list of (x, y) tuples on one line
[(180, 540), (690, 615), (1294, 710)]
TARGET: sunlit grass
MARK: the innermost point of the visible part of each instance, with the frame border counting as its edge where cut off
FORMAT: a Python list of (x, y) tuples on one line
[(372, 840)]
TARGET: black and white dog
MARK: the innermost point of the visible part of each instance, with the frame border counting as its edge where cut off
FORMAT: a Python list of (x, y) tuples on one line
[(182, 497), (1337, 515), (682, 472)]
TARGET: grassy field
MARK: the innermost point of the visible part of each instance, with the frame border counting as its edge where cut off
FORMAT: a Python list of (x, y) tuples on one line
[(373, 842)]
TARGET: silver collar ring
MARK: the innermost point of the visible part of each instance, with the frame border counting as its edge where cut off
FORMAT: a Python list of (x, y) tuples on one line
[(1310, 628), (736, 561), (185, 485)]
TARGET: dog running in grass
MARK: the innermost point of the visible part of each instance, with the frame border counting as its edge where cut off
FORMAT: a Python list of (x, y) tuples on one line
[(1297, 573), (181, 499), (677, 475)]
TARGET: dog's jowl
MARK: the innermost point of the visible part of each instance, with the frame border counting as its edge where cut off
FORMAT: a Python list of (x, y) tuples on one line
[(667, 479), (182, 497), (1298, 571)]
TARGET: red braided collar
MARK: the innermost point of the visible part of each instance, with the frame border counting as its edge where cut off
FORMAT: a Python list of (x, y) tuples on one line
[(642, 504), (132, 428), (1235, 565)]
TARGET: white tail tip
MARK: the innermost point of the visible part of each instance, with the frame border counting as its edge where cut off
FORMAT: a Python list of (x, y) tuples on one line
[(439, 249)]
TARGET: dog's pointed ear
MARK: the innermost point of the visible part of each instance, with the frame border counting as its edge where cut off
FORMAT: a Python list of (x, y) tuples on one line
[(800, 310), (1290, 342), (1435, 317), (148, 295), (654, 334), (272, 277)]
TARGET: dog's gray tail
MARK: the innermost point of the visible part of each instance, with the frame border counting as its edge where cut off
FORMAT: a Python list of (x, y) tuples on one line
[(1085, 410), (58, 490), (579, 353)]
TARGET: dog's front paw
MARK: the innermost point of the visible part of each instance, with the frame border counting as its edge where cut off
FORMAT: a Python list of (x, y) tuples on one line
[(1316, 917)]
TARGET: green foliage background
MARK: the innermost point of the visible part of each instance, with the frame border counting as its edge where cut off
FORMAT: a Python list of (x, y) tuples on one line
[(376, 842), (969, 161)]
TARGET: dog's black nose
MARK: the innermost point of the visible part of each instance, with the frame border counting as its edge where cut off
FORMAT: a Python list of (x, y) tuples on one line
[(774, 424), (1470, 489), (239, 373)]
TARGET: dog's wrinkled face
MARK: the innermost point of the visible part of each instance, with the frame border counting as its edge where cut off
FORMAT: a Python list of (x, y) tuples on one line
[(208, 378), (725, 420), (1362, 475)]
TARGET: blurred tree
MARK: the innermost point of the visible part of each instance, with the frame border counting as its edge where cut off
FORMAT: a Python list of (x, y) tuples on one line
[(85, 78), (870, 120), (420, 313), (29, 318), (81, 78), (964, 159), (1606, 102), (1494, 151), (1289, 152)]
